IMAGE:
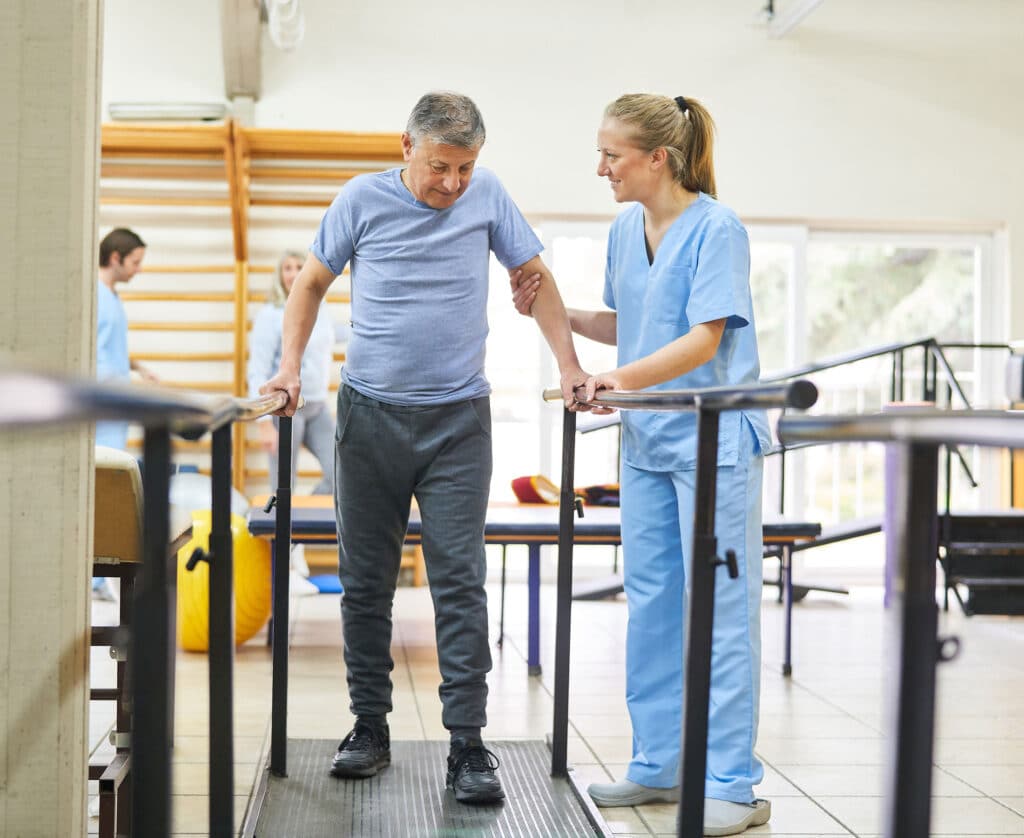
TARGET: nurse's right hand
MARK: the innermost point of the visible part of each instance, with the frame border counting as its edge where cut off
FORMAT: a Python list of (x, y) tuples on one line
[(596, 383), (524, 291)]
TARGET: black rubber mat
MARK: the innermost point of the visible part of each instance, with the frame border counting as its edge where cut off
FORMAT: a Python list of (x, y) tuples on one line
[(409, 797)]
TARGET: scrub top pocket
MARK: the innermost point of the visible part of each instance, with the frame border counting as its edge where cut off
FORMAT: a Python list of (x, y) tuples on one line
[(667, 293)]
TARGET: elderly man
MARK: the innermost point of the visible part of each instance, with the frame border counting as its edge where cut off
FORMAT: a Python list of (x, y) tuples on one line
[(414, 415)]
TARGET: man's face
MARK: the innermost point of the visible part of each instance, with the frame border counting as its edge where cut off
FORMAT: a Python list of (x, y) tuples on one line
[(437, 175), (124, 268)]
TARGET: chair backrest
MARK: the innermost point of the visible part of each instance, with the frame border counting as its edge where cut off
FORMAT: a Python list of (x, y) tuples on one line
[(118, 520)]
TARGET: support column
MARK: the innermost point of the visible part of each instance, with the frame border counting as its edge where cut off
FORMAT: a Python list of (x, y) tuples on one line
[(49, 110)]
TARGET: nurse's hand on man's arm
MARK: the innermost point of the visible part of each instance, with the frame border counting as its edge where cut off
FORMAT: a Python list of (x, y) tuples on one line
[(288, 382), (524, 290)]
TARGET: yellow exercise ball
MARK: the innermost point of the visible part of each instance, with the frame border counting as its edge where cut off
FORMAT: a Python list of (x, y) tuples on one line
[(252, 584)]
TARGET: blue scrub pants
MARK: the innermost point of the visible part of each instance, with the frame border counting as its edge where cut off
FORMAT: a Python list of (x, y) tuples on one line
[(657, 539)]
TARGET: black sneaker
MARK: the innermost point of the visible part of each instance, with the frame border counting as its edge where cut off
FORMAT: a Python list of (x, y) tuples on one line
[(364, 752), (471, 772)]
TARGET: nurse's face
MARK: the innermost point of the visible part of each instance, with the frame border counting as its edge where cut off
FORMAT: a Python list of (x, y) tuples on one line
[(629, 169)]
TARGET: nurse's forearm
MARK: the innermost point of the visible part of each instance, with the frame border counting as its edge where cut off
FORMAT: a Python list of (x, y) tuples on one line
[(695, 348), (599, 326)]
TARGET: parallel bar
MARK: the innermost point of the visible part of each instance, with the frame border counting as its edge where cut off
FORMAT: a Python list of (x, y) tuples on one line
[(48, 400), (222, 641), (843, 360), (996, 428), (800, 394), (282, 553), (563, 618), (914, 614), (699, 626), (151, 651)]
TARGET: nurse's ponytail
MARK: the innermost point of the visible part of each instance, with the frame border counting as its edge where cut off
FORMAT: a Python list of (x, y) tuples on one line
[(683, 127)]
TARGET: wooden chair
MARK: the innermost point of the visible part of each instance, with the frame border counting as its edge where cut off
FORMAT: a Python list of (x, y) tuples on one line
[(117, 552)]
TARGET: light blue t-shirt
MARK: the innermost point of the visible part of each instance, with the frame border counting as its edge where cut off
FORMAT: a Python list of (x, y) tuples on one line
[(419, 283), (265, 352), (112, 363), (701, 272)]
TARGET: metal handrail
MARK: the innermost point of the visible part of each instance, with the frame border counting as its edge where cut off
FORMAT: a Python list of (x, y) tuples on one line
[(916, 435), (934, 359), (800, 394), (37, 399), (846, 358), (995, 428)]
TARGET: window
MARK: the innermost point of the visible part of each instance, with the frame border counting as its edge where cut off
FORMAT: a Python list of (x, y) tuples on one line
[(816, 294)]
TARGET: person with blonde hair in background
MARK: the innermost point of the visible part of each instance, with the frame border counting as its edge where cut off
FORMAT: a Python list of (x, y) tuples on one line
[(677, 287), (313, 426)]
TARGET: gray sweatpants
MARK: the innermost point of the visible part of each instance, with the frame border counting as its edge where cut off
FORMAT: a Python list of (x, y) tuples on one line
[(441, 455)]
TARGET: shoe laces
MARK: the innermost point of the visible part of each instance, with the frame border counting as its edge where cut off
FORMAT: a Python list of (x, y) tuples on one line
[(476, 759), (362, 737)]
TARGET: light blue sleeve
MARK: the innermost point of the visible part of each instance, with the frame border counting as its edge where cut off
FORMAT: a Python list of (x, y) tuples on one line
[(512, 238), (721, 281), (609, 281), (334, 244), (264, 348), (104, 340)]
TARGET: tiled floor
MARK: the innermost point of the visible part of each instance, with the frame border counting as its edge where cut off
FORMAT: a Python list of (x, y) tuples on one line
[(820, 739)]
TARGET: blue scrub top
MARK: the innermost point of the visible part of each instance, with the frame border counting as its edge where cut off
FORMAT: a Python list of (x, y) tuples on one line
[(112, 361), (701, 272)]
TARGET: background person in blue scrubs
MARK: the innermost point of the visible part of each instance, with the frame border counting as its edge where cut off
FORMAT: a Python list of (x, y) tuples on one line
[(677, 286), (121, 254)]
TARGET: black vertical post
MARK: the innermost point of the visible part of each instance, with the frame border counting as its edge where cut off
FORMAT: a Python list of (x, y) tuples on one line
[(914, 614), (282, 555), (152, 650), (700, 622), (222, 641), (563, 614), (949, 461), (782, 478), (928, 380)]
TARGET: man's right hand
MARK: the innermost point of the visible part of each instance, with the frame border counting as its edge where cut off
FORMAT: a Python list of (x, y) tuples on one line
[(289, 383)]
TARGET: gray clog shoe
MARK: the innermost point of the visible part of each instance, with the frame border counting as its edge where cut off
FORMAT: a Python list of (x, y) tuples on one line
[(628, 793)]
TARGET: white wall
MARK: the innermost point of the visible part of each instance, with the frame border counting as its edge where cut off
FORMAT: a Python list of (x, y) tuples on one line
[(871, 112)]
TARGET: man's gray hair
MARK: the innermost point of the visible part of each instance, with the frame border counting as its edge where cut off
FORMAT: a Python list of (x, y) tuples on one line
[(447, 119)]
